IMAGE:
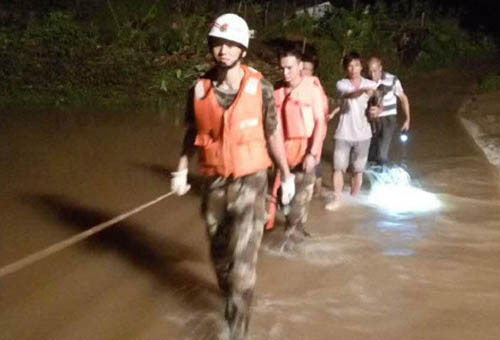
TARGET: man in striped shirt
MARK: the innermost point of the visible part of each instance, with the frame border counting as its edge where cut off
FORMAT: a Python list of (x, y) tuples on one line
[(386, 121)]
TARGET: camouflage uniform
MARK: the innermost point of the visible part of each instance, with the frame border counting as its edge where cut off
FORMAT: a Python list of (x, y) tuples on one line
[(299, 206), (234, 212)]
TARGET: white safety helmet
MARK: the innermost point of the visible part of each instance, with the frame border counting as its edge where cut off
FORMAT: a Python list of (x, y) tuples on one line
[(231, 27)]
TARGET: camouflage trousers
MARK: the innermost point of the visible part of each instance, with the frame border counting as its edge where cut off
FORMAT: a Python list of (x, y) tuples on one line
[(234, 211), (299, 207)]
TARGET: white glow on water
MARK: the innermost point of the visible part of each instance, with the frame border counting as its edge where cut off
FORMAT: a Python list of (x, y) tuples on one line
[(393, 192)]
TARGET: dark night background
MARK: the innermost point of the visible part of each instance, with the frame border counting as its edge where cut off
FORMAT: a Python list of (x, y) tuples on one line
[(89, 51), (475, 14)]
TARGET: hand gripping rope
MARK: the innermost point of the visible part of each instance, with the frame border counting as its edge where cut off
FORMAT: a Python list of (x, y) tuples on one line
[(26, 261)]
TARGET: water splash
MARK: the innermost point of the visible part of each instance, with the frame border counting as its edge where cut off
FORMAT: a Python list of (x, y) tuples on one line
[(393, 192), (318, 250)]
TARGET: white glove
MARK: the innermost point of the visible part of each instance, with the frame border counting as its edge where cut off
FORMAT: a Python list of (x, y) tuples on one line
[(288, 190), (179, 184)]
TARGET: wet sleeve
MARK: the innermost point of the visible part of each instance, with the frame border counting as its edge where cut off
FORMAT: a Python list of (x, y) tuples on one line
[(269, 107), (190, 124)]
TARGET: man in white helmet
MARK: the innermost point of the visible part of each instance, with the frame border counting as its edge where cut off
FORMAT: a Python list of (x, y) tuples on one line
[(231, 120)]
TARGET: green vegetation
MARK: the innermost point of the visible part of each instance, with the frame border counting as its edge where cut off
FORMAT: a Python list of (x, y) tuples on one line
[(408, 37), (490, 82), (130, 54)]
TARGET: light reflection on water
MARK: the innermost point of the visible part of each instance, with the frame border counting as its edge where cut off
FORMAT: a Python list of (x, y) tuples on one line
[(395, 235), (393, 192), (395, 212), (404, 208)]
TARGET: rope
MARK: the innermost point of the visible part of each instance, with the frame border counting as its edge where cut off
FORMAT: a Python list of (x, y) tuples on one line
[(26, 261)]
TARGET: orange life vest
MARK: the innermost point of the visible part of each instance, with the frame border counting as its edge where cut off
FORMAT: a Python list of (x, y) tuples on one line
[(295, 111), (232, 142)]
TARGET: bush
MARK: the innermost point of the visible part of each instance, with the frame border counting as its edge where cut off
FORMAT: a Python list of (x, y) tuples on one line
[(447, 42), (490, 83), (151, 51), (350, 30), (58, 60)]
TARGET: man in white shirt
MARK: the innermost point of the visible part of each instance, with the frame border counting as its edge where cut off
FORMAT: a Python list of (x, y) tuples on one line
[(385, 122), (353, 133)]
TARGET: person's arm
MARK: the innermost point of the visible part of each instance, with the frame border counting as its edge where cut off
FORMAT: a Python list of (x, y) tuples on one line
[(345, 91), (405, 104), (378, 98), (277, 149), (274, 133), (333, 113), (338, 103), (316, 140), (357, 93), (179, 183), (188, 147), (276, 142)]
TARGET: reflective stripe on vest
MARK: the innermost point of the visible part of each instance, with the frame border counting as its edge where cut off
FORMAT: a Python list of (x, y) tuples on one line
[(232, 142)]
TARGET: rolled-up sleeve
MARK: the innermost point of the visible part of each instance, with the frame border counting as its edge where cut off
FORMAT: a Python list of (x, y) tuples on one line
[(269, 108)]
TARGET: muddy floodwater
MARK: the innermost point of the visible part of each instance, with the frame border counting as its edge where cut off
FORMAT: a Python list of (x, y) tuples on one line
[(367, 272)]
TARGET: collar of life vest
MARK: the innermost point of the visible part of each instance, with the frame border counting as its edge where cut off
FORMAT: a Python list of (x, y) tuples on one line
[(250, 81)]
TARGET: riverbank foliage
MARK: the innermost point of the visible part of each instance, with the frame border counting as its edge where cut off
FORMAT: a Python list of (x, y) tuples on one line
[(145, 54), (490, 82)]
